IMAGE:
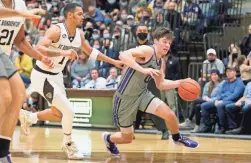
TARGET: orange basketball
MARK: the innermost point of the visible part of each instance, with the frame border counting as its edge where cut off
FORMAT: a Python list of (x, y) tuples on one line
[(189, 90)]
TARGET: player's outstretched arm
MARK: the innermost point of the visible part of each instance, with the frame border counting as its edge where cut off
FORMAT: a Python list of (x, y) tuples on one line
[(128, 58), (96, 54), (6, 13), (21, 42), (53, 35)]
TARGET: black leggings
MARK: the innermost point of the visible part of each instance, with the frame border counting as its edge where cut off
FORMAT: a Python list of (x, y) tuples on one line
[(196, 110)]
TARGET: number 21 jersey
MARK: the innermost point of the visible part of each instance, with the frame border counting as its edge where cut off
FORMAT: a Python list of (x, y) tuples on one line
[(9, 27)]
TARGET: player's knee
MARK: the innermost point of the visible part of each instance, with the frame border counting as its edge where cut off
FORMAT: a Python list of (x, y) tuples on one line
[(7, 98), (127, 139)]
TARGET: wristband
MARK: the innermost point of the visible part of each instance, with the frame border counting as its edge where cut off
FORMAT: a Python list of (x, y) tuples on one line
[(94, 53)]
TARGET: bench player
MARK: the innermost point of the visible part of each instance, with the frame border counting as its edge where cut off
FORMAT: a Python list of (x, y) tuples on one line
[(132, 94), (12, 91), (49, 82)]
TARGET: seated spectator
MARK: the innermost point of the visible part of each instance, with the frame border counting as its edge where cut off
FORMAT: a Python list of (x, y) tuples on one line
[(96, 14), (109, 51), (245, 44), (115, 15), (123, 4), (233, 56), (142, 5), (31, 102), (113, 79), (191, 13), (245, 70), (123, 15), (111, 5), (80, 70), (173, 17), (55, 15), (142, 33), (232, 89), (159, 19), (23, 64), (212, 62), (244, 105), (96, 81), (147, 18), (210, 91)]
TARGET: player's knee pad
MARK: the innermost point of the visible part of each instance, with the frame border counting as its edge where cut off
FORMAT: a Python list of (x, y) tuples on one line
[(63, 104)]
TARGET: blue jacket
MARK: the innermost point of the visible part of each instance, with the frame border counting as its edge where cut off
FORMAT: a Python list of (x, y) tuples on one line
[(99, 17), (231, 91)]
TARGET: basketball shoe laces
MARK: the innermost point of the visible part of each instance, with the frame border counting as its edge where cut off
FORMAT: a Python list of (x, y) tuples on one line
[(72, 148), (187, 141)]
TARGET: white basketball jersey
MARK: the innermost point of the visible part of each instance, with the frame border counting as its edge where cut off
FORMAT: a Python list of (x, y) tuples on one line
[(64, 43), (9, 27)]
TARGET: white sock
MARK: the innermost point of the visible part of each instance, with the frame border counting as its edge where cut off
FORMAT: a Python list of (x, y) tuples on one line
[(34, 118), (67, 139)]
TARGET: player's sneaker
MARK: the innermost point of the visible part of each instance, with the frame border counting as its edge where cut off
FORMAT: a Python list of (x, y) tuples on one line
[(186, 142), (72, 152), (111, 147), (25, 120), (6, 159)]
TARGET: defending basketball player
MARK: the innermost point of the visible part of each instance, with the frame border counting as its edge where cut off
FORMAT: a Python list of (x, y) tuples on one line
[(132, 94), (12, 91), (59, 40)]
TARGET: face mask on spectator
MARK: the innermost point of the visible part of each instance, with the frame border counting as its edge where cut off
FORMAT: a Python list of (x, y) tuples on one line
[(142, 36), (106, 35), (130, 22), (123, 4), (116, 36), (93, 15), (95, 36), (111, 1), (96, 46), (124, 16), (89, 30), (107, 21), (54, 3), (158, 5), (146, 17)]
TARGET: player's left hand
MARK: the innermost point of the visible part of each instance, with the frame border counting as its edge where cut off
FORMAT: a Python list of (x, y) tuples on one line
[(119, 64), (47, 61)]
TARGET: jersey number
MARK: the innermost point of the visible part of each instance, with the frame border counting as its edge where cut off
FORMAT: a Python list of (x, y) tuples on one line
[(6, 37), (62, 61)]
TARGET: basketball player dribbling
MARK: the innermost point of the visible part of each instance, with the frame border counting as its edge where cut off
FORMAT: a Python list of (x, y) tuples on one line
[(132, 95), (12, 90), (49, 81)]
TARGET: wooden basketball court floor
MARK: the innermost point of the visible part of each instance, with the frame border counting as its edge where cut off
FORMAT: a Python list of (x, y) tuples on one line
[(43, 146)]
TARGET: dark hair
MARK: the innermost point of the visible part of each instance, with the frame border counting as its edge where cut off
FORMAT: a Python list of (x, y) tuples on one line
[(94, 69), (162, 32), (70, 8), (241, 59), (86, 56), (212, 85), (142, 25)]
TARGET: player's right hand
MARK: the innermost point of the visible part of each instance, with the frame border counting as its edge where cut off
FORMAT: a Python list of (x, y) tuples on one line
[(152, 72), (29, 15), (47, 61)]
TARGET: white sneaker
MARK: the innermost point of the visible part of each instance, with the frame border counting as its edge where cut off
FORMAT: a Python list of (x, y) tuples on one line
[(196, 129), (186, 124), (25, 120), (72, 152)]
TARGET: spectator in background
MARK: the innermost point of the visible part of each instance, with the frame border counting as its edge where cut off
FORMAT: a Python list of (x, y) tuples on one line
[(232, 89), (123, 15), (159, 19), (23, 64), (143, 5), (96, 35), (31, 102), (212, 62), (109, 51), (172, 72), (233, 56), (123, 4), (142, 33), (147, 18), (232, 111), (113, 79), (111, 5), (116, 39), (191, 13), (245, 44), (55, 15), (96, 81), (96, 14), (80, 70), (174, 20), (210, 91), (245, 70)]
